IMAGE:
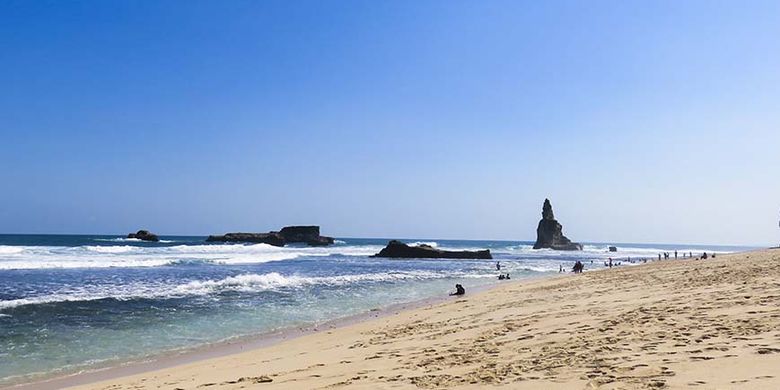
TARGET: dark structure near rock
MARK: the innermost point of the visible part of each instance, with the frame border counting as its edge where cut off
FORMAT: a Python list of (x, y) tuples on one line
[(549, 233), (398, 250), (309, 235), (613, 249), (144, 235)]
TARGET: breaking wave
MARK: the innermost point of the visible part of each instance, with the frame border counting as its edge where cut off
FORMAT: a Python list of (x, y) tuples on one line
[(102, 256), (247, 283)]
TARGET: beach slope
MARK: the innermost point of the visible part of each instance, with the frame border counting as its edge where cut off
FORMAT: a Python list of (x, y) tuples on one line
[(673, 324)]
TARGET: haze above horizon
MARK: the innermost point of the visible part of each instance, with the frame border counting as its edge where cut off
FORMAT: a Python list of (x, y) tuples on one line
[(643, 122)]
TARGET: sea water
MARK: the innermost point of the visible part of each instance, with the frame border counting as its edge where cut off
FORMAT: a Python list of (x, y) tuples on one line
[(69, 303)]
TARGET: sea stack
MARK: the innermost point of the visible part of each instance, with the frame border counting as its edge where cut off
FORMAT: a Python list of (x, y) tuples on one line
[(144, 235), (549, 234)]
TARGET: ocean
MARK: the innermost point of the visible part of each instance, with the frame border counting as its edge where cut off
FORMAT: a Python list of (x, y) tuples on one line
[(70, 303)]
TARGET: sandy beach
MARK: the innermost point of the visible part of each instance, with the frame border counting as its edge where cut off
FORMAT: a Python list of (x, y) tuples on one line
[(705, 324)]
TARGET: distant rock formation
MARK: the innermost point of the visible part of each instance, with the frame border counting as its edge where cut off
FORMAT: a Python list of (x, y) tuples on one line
[(144, 235), (613, 249), (272, 238), (309, 235), (399, 250), (549, 233)]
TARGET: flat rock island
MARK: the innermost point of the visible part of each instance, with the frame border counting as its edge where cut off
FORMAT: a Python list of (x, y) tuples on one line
[(549, 233), (398, 250), (309, 235)]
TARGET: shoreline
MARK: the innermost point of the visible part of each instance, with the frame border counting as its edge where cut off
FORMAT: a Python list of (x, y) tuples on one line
[(173, 358), (666, 324)]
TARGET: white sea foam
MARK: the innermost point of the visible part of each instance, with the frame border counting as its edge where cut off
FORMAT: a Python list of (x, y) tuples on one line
[(101, 256), (10, 250), (110, 249), (432, 244), (239, 283)]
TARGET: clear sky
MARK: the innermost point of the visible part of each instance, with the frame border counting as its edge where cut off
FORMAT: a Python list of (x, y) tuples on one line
[(642, 121)]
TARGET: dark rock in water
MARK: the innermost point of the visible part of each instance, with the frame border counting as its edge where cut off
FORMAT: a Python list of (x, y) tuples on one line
[(144, 235), (549, 233), (613, 249), (399, 250), (309, 235), (272, 238)]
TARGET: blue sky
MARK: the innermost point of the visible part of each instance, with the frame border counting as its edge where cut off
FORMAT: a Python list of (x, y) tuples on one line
[(642, 121)]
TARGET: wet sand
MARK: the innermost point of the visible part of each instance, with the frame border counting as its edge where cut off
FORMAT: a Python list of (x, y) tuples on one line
[(704, 324)]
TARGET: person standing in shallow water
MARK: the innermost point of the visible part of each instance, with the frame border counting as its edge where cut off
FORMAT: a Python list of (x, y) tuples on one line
[(498, 266)]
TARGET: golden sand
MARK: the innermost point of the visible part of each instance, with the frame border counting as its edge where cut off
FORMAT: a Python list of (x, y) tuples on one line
[(706, 324)]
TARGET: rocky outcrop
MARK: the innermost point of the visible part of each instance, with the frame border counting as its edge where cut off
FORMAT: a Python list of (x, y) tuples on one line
[(309, 235), (144, 235), (273, 238), (398, 250), (613, 249), (549, 233)]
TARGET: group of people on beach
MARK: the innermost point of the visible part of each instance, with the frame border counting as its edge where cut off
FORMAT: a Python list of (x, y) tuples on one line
[(579, 267), (666, 255)]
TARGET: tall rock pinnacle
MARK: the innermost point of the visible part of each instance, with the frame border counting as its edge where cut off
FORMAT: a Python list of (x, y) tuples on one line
[(549, 233)]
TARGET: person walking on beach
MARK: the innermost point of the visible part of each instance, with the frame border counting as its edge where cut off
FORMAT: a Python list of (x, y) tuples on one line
[(675, 254), (560, 268), (610, 262), (659, 257)]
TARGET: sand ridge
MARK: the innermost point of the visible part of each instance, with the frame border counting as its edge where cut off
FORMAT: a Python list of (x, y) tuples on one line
[(704, 324)]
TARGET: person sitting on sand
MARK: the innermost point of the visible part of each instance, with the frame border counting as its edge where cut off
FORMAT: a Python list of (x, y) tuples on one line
[(459, 290), (507, 276), (501, 277)]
